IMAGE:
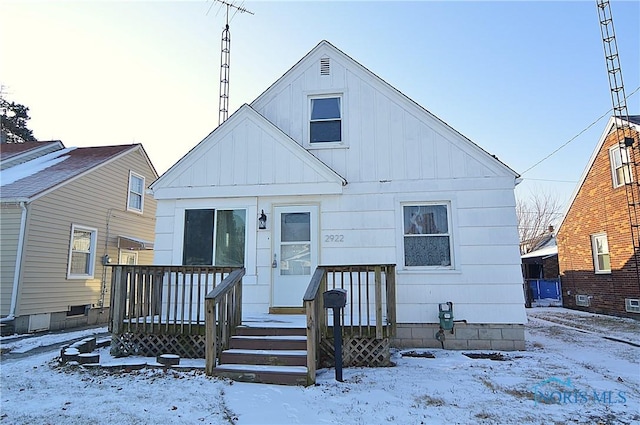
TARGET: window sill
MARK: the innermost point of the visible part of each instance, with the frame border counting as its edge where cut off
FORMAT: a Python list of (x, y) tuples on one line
[(79, 276), (429, 271), (326, 145)]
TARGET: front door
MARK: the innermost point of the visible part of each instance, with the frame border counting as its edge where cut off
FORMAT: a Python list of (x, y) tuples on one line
[(295, 254)]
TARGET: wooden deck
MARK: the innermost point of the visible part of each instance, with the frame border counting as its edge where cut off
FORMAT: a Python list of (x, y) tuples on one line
[(196, 312)]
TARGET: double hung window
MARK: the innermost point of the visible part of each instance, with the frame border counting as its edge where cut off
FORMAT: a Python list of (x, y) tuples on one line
[(427, 235)]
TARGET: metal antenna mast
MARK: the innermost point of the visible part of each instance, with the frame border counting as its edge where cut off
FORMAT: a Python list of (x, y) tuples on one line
[(629, 147), (225, 61)]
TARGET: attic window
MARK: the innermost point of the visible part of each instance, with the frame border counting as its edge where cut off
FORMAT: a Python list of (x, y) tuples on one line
[(325, 66), (325, 121)]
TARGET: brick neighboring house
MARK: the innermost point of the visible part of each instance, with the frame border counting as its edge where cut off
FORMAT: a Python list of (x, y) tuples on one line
[(598, 265)]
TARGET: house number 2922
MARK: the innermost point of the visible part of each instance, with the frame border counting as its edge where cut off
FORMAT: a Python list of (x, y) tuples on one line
[(334, 238)]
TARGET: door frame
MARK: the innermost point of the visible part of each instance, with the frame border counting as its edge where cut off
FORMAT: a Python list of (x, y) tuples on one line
[(278, 210)]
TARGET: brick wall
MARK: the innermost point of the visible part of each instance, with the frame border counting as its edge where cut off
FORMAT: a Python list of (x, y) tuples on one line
[(598, 208)]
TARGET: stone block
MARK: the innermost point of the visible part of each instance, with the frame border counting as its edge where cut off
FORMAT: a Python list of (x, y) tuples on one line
[(465, 332), (479, 344), (487, 333), (516, 334), (502, 344)]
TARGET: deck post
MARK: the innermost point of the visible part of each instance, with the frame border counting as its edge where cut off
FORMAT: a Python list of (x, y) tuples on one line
[(391, 300), (119, 300), (210, 339), (378, 289), (312, 332)]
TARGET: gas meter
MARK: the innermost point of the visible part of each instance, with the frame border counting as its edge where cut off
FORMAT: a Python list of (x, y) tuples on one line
[(445, 314)]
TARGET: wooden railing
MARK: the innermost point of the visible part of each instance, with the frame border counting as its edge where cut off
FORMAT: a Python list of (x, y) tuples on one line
[(223, 313), (161, 299), (370, 310)]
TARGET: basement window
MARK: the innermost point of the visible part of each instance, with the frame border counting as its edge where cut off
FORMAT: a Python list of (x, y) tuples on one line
[(632, 305), (78, 310), (583, 300)]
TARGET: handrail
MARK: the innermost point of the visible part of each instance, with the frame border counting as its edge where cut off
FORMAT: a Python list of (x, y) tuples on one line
[(223, 312), (371, 305), (316, 320)]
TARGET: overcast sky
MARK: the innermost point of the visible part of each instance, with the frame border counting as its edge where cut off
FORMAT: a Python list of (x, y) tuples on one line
[(518, 78)]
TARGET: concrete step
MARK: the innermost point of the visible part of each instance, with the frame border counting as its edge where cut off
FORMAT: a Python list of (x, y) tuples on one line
[(281, 375), (278, 342), (265, 357)]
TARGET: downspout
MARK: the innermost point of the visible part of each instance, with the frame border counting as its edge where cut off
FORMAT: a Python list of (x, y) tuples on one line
[(18, 267)]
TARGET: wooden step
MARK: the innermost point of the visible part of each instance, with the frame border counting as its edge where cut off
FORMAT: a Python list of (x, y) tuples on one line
[(281, 375), (254, 331), (265, 357), (277, 342)]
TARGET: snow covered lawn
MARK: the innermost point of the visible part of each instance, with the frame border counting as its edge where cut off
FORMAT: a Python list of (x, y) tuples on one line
[(570, 373)]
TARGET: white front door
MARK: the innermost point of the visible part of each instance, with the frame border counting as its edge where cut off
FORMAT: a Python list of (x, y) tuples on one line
[(295, 254)]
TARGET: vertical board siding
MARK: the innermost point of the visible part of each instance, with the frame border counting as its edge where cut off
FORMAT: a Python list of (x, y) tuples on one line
[(88, 201), (10, 217)]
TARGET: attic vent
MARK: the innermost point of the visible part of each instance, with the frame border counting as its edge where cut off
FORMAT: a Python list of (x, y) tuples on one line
[(325, 66)]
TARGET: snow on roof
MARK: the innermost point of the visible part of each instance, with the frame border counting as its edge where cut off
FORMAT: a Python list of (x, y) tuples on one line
[(34, 166), (31, 178), (542, 252)]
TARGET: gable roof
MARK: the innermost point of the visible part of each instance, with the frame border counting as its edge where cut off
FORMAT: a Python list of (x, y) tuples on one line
[(312, 177), (15, 153), (36, 177), (326, 48), (634, 120)]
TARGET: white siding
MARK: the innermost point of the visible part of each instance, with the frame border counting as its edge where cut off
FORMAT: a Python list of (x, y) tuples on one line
[(394, 152)]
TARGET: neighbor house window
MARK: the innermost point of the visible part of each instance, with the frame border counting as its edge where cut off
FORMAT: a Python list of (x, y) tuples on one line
[(621, 172), (82, 252), (600, 248), (135, 201), (214, 237), (325, 123), (427, 235)]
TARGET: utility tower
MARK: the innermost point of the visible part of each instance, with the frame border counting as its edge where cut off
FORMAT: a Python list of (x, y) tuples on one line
[(225, 61), (629, 147)]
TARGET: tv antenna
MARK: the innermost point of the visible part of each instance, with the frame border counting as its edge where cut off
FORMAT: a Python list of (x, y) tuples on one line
[(225, 60)]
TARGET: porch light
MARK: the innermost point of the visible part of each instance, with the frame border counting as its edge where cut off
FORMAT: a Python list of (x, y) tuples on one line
[(262, 220)]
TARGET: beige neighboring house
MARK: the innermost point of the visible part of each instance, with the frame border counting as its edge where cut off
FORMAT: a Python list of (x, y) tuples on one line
[(66, 213)]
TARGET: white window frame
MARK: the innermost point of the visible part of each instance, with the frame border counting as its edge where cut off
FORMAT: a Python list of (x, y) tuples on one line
[(214, 246), (130, 191), (449, 234), (124, 253), (594, 250), (619, 161), (343, 136), (91, 252)]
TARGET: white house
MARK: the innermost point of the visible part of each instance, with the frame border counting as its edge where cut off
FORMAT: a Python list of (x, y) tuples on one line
[(348, 170)]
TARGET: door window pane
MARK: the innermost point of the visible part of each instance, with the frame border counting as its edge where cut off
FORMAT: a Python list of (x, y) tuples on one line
[(296, 259), (295, 227)]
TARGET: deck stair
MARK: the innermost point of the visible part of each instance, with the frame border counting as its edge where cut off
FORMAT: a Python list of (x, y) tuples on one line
[(266, 355)]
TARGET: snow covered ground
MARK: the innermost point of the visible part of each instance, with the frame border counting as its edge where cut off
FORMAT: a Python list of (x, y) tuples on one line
[(570, 373)]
